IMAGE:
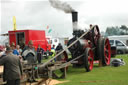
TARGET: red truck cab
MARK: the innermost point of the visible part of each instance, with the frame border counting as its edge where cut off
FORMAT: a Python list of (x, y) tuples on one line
[(21, 37)]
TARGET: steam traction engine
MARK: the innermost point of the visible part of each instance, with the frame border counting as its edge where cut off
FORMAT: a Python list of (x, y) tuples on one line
[(85, 47), (91, 45)]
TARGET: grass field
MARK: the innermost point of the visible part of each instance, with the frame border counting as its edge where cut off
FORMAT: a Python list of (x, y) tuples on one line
[(107, 75)]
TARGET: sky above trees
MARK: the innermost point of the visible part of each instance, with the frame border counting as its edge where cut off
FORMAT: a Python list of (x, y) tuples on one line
[(38, 14)]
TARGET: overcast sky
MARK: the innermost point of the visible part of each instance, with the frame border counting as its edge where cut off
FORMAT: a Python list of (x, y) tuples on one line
[(38, 14)]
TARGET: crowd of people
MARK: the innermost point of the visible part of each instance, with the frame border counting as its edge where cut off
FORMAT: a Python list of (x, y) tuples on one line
[(12, 55), (29, 52)]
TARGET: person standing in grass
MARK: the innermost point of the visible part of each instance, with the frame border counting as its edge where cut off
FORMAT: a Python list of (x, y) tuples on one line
[(40, 51), (12, 68), (53, 50)]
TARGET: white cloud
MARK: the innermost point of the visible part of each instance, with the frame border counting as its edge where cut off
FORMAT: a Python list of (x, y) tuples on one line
[(37, 14), (104, 12)]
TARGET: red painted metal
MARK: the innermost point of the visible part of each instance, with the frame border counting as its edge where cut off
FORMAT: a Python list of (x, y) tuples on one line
[(107, 51), (12, 37), (65, 56), (37, 36), (90, 59)]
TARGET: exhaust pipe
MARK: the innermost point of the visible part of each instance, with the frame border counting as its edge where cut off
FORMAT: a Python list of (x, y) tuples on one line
[(76, 31), (74, 20), (74, 16)]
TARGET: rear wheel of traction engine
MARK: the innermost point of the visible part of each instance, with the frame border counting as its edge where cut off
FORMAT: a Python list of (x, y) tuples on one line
[(88, 59), (105, 51)]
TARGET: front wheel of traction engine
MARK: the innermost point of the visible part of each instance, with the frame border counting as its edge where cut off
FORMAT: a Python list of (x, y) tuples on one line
[(88, 59), (105, 51)]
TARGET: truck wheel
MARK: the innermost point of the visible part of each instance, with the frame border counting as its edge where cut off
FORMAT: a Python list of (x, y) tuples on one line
[(88, 59), (105, 51)]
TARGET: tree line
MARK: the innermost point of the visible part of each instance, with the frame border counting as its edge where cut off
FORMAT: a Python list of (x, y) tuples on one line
[(116, 30)]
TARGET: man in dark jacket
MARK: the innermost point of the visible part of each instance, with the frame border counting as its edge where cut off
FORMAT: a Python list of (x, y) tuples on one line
[(12, 68), (59, 47), (40, 51)]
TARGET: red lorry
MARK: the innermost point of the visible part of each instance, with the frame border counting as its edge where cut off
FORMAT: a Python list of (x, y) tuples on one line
[(21, 37)]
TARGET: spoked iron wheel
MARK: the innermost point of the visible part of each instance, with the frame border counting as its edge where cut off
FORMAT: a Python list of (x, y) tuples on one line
[(103, 51), (95, 34), (106, 52), (88, 59)]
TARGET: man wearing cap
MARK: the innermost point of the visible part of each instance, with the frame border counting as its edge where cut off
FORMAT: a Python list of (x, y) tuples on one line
[(29, 53), (12, 68)]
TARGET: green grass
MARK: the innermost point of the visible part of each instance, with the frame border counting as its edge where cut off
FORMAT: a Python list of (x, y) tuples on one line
[(107, 75)]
